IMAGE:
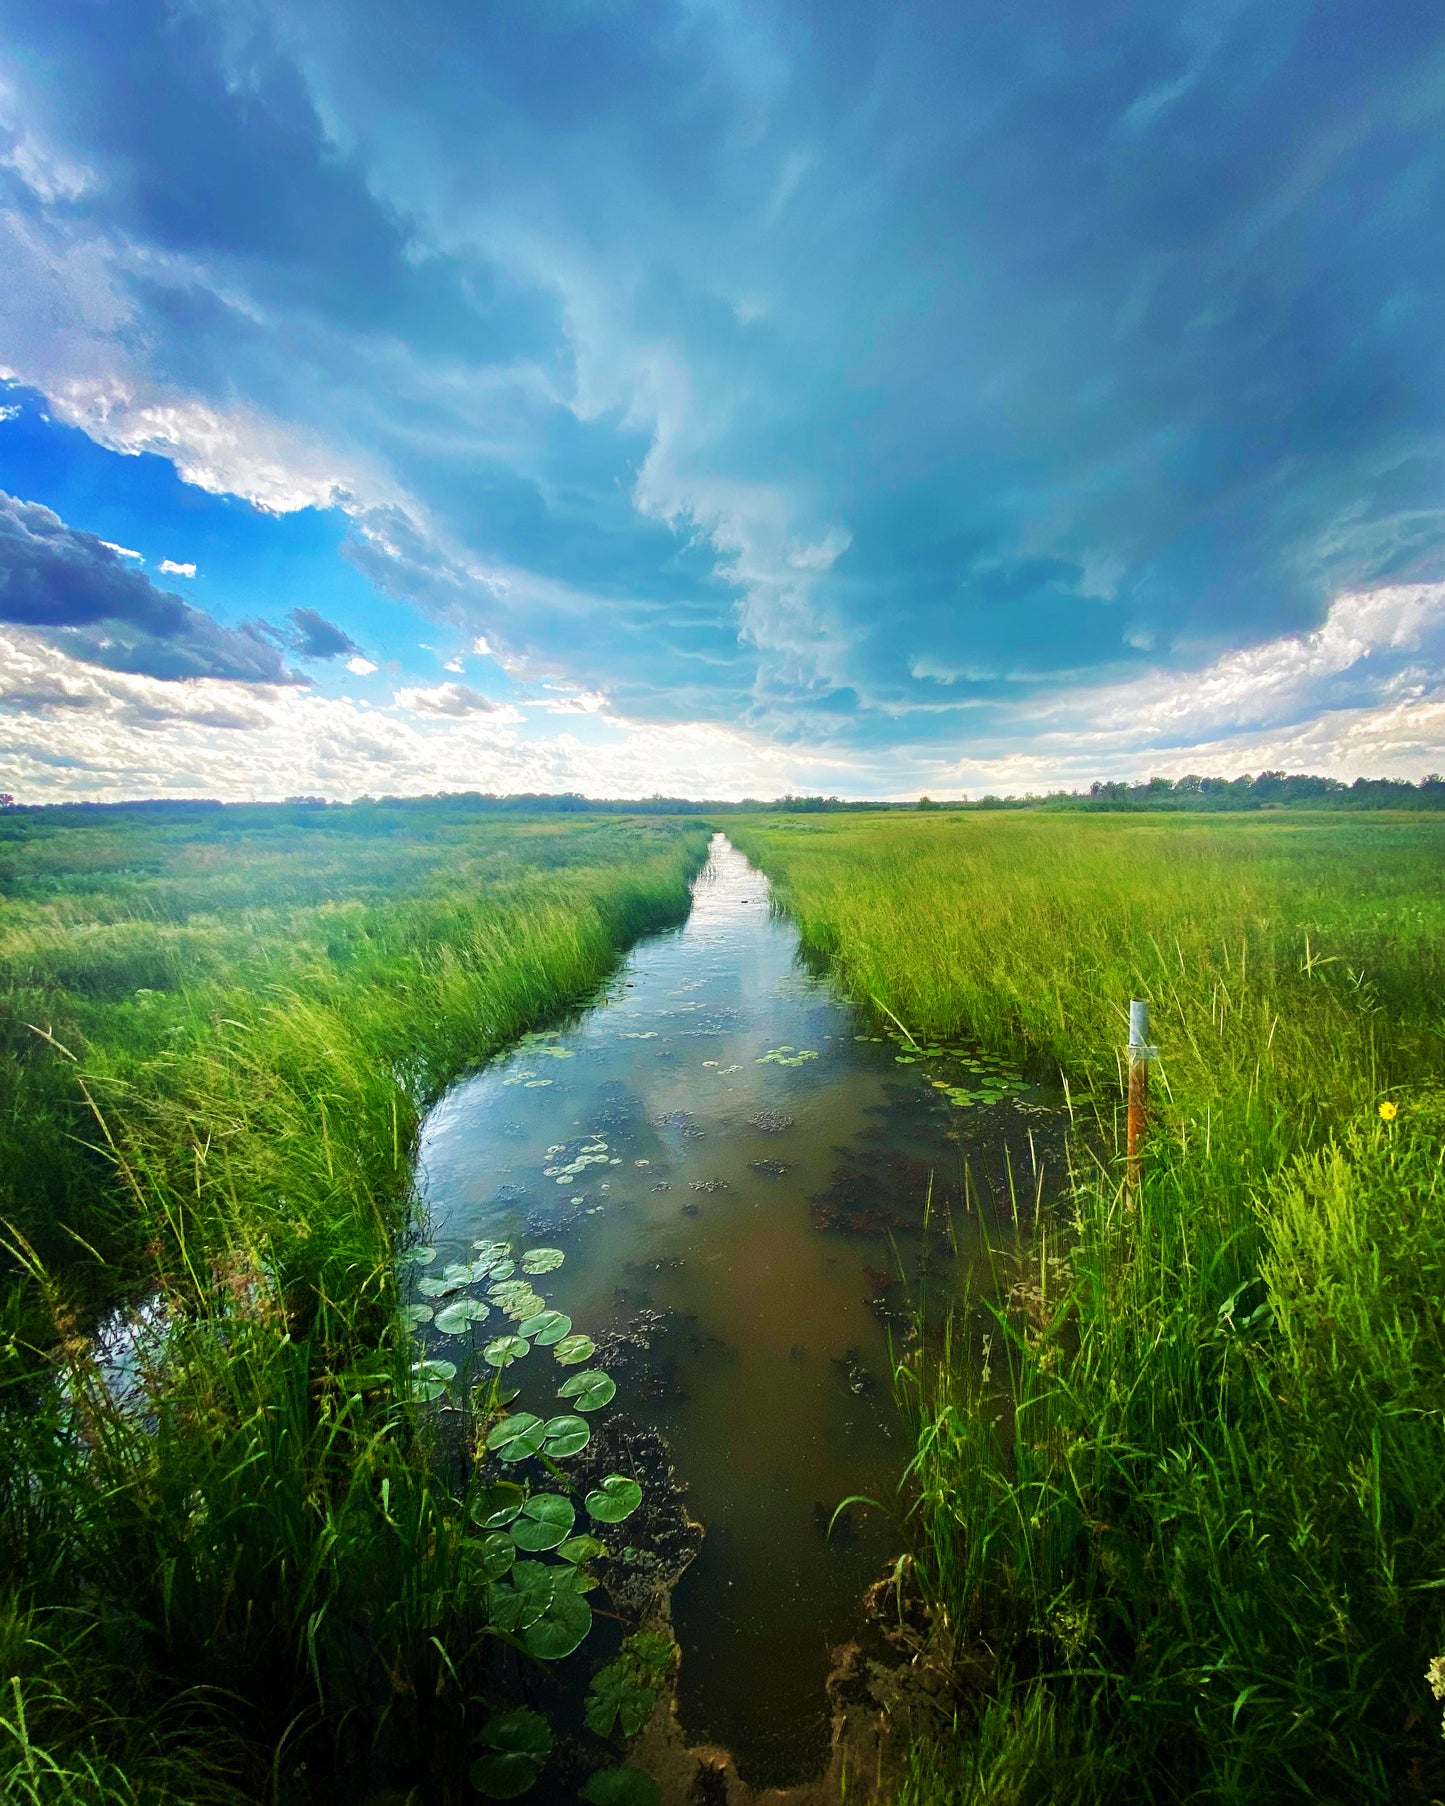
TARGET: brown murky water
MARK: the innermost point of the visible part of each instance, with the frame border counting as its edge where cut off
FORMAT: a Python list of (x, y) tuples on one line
[(755, 1166)]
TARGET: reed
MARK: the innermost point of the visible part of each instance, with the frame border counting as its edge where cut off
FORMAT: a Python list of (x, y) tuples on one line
[(1201, 1553), (245, 1541)]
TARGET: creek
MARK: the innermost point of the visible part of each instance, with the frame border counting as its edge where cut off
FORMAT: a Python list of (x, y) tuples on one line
[(751, 1185)]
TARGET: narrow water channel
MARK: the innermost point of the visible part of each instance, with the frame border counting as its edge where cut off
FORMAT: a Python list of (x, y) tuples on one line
[(739, 1168)]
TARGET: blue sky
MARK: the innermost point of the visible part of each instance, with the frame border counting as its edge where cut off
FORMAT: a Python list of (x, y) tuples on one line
[(717, 398)]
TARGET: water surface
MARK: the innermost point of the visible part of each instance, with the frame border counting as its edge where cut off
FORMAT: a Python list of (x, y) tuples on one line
[(757, 1174)]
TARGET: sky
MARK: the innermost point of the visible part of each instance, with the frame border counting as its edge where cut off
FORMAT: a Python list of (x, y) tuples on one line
[(718, 399)]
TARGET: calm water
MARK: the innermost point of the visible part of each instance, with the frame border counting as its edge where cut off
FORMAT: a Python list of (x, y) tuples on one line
[(760, 1206)]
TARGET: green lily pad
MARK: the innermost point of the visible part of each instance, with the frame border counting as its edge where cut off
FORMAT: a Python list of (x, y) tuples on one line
[(572, 1349), (498, 1504), (414, 1315), (496, 1554), (432, 1377), (456, 1318), (581, 1548), (559, 1630), (589, 1391), (505, 1350), (509, 1288), (517, 1437), (543, 1522), (520, 1599), (521, 1305), (542, 1260), (564, 1436), (458, 1273), (501, 1775), (522, 1731), (440, 1288), (519, 1742), (615, 1499), (545, 1328), (416, 1257), (621, 1787), (486, 1250)]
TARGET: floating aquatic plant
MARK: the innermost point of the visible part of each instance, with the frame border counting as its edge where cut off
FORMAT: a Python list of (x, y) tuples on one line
[(457, 1318), (616, 1498), (516, 1744), (542, 1260), (432, 1377), (621, 1787), (565, 1436), (563, 1625), (414, 1315), (589, 1391), (517, 1437), (573, 1349), (416, 1257), (543, 1522), (522, 1597), (505, 1350), (545, 1328)]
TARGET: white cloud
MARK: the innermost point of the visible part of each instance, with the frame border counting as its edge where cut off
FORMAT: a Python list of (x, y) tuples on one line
[(123, 551), (1364, 693), (359, 666), (450, 699), (172, 569), (73, 731), (453, 664), (10, 413), (480, 647)]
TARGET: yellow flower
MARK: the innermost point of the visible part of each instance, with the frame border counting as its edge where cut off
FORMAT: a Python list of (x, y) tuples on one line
[(1388, 1111)]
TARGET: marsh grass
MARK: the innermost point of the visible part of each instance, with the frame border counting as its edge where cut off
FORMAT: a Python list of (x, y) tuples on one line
[(1202, 1556), (244, 1573)]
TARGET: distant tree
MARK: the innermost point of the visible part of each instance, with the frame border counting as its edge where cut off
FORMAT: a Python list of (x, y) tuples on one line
[(6, 800)]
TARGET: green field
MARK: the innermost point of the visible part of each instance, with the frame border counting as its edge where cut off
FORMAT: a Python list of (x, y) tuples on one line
[(1185, 1541), (261, 1586), (1202, 1557)]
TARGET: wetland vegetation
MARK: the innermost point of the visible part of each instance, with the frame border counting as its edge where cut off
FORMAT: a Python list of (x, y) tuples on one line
[(1201, 1554), (1170, 1515)]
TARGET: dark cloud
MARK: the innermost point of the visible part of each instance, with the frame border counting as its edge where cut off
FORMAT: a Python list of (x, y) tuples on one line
[(78, 594), (313, 636)]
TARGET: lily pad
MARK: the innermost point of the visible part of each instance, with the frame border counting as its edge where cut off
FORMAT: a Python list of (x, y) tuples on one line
[(542, 1260), (543, 1522), (517, 1437), (456, 1318), (503, 1775), (621, 1787), (414, 1315), (432, 1377), (440, 1288), (589, 1391), (573, 1349), (545, 1328), (517, 1743), (498, 1504), (521, 1305), (492, 1250), (416, 1257), (581, 1548), (505, 1350), (458, 1273), (496, 1553), (520, 1599), (615, 1499), (563, 1625), (565, 1436)]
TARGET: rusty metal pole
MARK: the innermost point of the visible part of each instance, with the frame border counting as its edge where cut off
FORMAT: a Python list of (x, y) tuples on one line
[(1140, 1054)]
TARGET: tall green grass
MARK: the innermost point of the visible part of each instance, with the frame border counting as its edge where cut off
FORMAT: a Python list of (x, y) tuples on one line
[(247, 1575), (1202, 1556)]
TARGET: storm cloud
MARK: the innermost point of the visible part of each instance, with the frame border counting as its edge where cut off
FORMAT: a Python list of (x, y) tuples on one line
[(79, 593)]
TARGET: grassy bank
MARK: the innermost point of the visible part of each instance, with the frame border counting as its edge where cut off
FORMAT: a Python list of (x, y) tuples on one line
[(1205, 1560), (234, 1569)]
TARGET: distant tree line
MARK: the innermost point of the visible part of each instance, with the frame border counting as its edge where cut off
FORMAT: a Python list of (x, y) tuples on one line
[(1267, 790)]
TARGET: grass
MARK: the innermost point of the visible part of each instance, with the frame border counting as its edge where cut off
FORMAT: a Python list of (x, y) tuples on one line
[(249, 1577), (1202, 1556)]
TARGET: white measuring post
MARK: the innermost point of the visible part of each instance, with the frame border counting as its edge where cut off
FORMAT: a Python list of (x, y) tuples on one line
[(1140, 1054)]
